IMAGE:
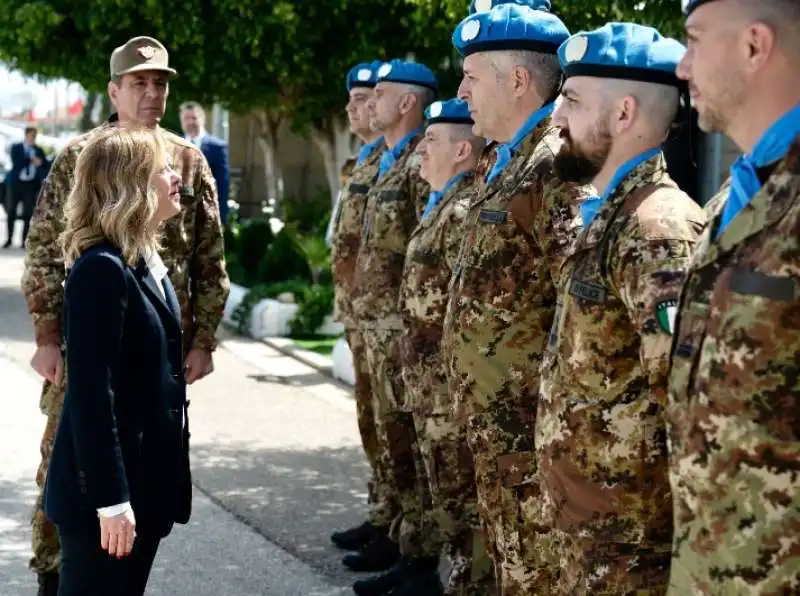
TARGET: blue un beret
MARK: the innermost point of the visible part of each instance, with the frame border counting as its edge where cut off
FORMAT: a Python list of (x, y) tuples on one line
[(693, 5), (487, 5), (622, 51), (413, 73), (452, 111), (510, 27), (363, 75)]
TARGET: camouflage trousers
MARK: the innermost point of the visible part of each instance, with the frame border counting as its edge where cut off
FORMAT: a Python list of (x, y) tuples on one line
[(450, 473), (44, 537), (377, 484), (501, 440), (609, 569), (398, 448)]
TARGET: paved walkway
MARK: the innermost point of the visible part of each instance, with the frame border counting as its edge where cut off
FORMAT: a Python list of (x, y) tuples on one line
[(277, 465)]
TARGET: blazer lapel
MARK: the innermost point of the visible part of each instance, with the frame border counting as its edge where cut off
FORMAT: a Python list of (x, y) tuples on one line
[(150, 287)]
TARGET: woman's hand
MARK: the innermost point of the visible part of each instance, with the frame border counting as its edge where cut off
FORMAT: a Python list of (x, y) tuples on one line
[(117, 534)]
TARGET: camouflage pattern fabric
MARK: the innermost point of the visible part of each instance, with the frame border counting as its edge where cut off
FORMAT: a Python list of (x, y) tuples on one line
[(600, 430), (500, 308), (366, 417), (393, 207), (734, 401), (349, 215), (347, 225), (192, 250), (446, 458), (45, 543)]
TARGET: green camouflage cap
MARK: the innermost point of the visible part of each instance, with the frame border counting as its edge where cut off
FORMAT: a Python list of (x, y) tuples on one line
[(140, 54)]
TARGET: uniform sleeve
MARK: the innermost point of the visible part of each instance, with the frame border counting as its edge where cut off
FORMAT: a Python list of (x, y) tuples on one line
[(209, 279), (555, 222), (43, 278), (648, 271)]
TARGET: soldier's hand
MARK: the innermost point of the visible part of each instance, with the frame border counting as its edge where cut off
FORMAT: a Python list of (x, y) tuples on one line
[(48, 362), (199, 363)]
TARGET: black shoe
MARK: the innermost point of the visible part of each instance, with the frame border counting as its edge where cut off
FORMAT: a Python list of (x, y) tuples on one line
[(355, 538), (378, 585), (422, 583), (380, 554), (7, 244), (48, 584)]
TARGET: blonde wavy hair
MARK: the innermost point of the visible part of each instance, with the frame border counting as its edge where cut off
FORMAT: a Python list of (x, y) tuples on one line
[(113, 199)]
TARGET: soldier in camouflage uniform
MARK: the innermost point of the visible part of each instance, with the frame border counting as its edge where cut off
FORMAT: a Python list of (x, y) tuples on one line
[(346, 222), (394, 206), (605, 508), (192, 250), (502, 293), (449, 154), (734, 393)]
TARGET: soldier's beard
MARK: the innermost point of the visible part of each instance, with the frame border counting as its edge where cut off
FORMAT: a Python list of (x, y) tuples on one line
[(580, 163)]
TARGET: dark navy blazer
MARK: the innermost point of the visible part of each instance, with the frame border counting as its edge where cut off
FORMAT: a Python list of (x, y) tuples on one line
[(121, 432), (216, 153)]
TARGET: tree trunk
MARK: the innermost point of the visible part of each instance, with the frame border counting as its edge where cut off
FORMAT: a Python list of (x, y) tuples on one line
[(87, 121), (269, 129), (335, 141)]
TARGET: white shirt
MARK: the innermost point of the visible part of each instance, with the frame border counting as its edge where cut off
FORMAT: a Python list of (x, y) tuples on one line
[(198, 140), (159, 271)]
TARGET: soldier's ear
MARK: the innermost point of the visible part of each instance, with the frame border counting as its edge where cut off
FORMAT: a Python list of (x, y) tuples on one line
[(113, 90)]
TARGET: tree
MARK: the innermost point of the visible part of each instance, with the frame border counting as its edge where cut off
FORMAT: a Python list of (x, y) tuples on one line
[(283, 61)]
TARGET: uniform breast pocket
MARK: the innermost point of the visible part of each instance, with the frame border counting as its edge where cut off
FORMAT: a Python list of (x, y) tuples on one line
[(754, 326), (388, 228)]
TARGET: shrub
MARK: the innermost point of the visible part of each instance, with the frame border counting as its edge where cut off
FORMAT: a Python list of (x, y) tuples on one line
[(316, 304), (255, 238), (284, 260), (306, 215)]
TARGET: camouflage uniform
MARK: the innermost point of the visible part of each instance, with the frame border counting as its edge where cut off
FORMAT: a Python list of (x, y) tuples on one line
[(446, 458), (394, 205), (605, 505), (192, 250), (734, 401), (501, 304), (346, 240)]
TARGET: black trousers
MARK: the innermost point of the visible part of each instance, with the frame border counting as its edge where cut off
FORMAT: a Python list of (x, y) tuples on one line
[(21, 193), (88, 570)]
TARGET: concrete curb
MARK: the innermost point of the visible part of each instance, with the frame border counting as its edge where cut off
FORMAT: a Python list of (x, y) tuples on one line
[(287, 347)]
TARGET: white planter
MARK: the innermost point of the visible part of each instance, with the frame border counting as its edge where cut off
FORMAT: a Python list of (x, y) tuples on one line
[(270, 318), (343, 362), (235, 298), (330, 327)]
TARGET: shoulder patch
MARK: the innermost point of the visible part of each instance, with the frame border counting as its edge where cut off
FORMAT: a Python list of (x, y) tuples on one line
[(666, 311)]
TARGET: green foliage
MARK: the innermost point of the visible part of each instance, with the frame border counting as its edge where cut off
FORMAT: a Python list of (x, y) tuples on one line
[(284, 259), (315, 304), (250, 54), (306, 215), (317, 253), (255, 237)]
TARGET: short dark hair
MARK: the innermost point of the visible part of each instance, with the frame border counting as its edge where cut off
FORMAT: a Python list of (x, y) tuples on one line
[(783, 16), (192, 105), (31, 129)]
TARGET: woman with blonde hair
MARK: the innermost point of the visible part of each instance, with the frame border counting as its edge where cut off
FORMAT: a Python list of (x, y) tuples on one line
[(114, 484)]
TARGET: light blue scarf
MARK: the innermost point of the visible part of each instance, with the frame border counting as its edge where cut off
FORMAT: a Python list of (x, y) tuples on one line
[(773, 145), (592, 205), (506, 151)]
